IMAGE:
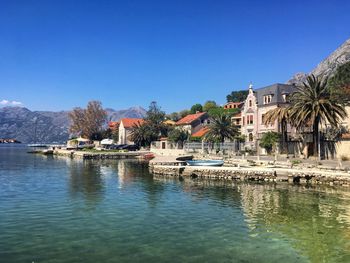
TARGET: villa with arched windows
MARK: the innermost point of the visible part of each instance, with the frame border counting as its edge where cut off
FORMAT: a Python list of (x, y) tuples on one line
[(257, 103)]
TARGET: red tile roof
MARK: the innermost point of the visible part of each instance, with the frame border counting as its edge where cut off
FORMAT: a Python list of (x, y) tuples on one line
[(190, 118), (113, 124), (130, 122), (345, 136), (233, 105), (203, 131)]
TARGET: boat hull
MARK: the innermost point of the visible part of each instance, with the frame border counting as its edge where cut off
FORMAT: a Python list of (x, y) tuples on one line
[(205, 163)]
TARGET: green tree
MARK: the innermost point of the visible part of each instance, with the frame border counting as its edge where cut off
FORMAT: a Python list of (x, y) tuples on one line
[(177, 135), (141, 134), (175, 116), (210, 104), (184, 113), (154, 120), (312, 105), (282, 116), (88, 122), (237, 96), (339, 84), (221, 127), (269, 141), (196, 108), (115, 135)]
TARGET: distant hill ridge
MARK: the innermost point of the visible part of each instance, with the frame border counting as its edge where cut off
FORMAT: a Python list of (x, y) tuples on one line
[(328, 66), (51, 127)]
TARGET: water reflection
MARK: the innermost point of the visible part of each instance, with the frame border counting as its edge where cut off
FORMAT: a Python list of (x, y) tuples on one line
[(315, 220), (134, 171), (311, 217), (85, 180)]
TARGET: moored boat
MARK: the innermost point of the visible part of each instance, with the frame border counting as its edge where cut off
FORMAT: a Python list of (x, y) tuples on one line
[(205, 163)]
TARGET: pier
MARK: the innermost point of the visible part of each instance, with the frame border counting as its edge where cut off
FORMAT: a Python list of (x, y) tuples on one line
[(262, 174), (87, 155)]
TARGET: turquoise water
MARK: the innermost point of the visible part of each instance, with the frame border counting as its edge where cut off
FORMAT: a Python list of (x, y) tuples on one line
[(60, 210)]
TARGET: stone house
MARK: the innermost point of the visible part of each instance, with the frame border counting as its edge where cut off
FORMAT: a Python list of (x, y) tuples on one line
[(256, 105), (193, 122), (125, 128)]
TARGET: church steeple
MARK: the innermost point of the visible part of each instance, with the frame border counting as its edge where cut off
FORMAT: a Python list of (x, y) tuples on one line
[(250, 88)]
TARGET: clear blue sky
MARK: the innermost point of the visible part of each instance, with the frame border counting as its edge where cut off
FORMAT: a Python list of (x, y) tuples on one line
[(55, 55)]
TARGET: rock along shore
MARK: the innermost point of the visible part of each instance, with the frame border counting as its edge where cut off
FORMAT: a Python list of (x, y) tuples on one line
[(292, 175)]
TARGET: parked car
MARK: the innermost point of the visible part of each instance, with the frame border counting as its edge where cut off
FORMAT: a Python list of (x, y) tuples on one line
[(131, 147), (115, 146)]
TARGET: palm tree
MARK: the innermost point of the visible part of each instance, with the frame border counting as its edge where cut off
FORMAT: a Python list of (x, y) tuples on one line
[(221, 128), (312, 105), (282, 115), (141, 134)]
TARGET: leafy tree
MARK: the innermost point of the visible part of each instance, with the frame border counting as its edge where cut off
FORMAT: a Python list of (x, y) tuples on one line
[(237, 96), (184, 113), (115, 134), (269, 141), (154, 120), (175, 116), (339, 84), (312, 104), (221, 127), (88, 122), (178, 135), (282, 116), (219, 110), (152, 128), (210, 104), (196, 108)]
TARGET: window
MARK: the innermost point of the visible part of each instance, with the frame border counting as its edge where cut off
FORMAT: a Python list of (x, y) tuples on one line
[(285, 97), (250, 119), (250, 103), (243, 121), (250, 136), (267, 99)]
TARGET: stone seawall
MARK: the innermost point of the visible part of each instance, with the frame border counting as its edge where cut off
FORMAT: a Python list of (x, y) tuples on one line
[(311, 176), (85, 155)]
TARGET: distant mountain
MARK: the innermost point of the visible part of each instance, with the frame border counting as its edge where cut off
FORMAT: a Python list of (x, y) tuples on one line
[(133, 112), (47, 126), (328, 66)]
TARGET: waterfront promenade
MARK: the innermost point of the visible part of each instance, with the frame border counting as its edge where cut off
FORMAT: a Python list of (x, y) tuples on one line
[(264, 169)]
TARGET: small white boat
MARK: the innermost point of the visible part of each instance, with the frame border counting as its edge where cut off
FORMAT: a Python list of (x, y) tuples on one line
[(205, 163)]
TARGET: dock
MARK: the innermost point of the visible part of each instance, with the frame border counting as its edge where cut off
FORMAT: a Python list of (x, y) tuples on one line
[(86, 155), (262, 174)]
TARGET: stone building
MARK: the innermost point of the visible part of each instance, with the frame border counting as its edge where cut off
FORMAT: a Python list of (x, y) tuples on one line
[(257, 103)]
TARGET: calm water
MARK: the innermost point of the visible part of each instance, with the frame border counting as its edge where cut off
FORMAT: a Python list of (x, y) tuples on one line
[(61, 210)]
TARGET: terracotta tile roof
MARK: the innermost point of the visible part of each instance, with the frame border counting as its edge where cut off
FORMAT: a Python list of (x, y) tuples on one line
[(201, 132), (129, 122), (233, 105), (237, 115), (113, 124), (170, 122), (190, 118), (345, 136)]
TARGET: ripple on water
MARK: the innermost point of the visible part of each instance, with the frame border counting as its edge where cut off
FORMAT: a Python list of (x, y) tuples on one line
[(53, 210)]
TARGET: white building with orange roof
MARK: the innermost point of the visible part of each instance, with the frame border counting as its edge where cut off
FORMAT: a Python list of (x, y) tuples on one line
[(125, 129), (193, 122)]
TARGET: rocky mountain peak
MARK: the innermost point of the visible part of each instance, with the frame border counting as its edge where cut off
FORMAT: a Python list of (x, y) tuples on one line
[(328, 66)]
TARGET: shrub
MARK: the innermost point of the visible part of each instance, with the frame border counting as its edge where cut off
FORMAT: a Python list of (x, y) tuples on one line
[(344, 158), (269, 140)]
